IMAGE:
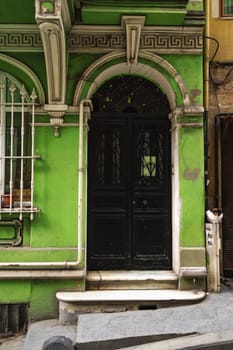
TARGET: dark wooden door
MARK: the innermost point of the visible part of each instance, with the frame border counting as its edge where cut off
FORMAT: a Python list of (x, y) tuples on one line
[(129, 221)]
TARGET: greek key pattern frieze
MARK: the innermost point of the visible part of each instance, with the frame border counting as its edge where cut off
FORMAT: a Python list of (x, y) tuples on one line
[(170, 41), (17, 41), (101, 41), (156, 42)]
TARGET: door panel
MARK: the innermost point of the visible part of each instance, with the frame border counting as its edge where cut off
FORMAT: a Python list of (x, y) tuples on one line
[(107, 241), (151, 233), (129, 193)]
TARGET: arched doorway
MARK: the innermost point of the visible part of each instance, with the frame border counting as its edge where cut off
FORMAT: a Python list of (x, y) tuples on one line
[(129, 180)]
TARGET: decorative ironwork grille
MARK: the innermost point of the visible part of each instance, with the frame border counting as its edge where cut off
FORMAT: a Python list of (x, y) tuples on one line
[(108, 152), (130, 94), (150, 157), (17, 156)]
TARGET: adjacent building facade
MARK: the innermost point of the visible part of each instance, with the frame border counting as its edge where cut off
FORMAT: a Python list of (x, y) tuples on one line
[(102, 145), (219, 190)]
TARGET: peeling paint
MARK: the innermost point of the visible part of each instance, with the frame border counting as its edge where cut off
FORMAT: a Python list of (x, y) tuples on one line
[(191, 174), (194, 94)]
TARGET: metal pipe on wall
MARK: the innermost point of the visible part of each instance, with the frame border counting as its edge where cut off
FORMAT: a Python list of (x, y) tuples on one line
[(65, 264)]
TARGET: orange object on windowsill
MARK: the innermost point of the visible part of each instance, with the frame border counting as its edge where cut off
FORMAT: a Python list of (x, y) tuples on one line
[(5, 200)]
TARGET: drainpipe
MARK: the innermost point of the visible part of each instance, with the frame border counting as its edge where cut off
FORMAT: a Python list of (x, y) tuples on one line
[(65, 264), (206, 92), (80, 175)]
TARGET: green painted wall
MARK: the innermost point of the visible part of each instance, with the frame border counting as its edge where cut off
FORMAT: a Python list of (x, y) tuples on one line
[(110, 16), (52, 236), (56, 183), (190, 68), (17, 12), (191, 169)]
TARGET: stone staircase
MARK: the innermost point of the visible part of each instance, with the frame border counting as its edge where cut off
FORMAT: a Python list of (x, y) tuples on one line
[(116, 291), (93, 319), (121, 279)]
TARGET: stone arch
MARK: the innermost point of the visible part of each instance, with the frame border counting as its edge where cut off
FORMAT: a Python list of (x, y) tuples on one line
[(150, 66)]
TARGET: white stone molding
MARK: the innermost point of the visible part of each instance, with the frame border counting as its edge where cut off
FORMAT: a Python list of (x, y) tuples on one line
[(53, 38), (66, 14), (132, 26), (26, 70), (156, 39), (100, 39), (20, 38)]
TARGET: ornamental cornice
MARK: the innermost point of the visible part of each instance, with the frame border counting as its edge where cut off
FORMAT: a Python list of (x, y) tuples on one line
[(20, 38), (160, 40), (157, 39)]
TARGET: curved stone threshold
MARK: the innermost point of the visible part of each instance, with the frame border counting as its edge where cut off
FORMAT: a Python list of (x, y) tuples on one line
[(115, 296)]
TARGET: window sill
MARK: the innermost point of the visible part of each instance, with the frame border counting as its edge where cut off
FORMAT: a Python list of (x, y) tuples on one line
[(19, 210), (226, 17)]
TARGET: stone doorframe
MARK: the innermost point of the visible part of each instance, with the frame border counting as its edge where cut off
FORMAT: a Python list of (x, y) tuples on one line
[(164, 75)]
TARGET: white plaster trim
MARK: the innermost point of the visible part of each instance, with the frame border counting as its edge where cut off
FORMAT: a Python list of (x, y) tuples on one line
[(193, 271), (194, 110), (176, 201), (42, 274), (66, 14), (54, 44), (215, 8), (54, 47), (133, 26), (29, 72)]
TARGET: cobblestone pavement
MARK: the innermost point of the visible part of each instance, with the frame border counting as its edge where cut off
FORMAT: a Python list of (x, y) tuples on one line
[(12, 343)]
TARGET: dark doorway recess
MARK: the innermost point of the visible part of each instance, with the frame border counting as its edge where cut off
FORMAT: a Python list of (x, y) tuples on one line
[(129, 184), (227, 194)]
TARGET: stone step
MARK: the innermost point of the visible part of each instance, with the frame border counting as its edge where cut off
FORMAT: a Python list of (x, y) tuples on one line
[(71, 304), (121, 279)]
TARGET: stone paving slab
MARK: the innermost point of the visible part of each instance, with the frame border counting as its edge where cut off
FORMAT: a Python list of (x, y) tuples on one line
[(208, 341), (125, 329), (111, 331), (39, 332)]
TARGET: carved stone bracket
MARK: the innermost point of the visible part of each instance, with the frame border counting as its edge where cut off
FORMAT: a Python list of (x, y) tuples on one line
[(56, 112), (49, 20), (132, 25)]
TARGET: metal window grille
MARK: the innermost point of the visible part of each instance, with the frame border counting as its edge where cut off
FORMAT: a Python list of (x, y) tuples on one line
[(17, 155)]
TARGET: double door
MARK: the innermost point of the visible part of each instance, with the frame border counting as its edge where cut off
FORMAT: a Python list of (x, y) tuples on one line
[(129, 219)]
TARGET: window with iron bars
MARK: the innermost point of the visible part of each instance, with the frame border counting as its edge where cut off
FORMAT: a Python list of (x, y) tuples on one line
[(226, 8), (17, 157)]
